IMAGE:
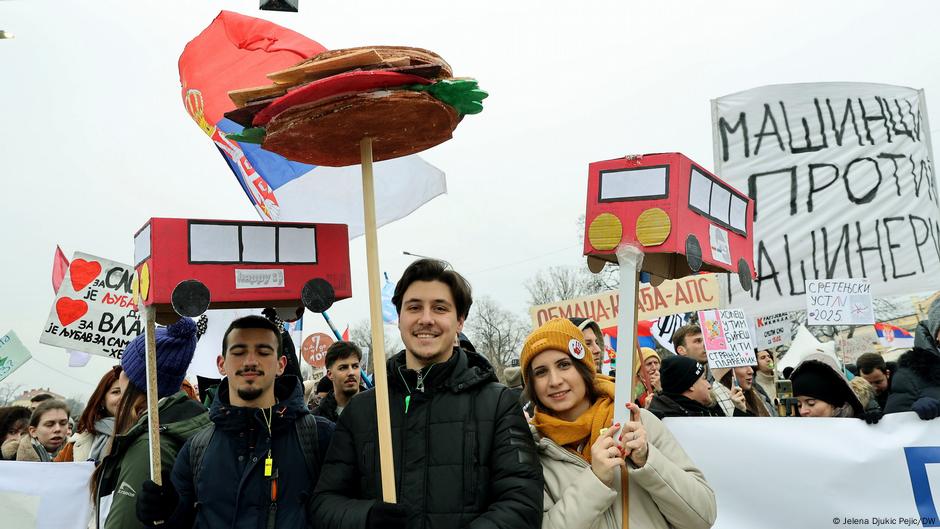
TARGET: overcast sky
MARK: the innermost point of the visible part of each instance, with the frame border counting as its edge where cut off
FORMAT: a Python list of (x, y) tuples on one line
[(94, 139)]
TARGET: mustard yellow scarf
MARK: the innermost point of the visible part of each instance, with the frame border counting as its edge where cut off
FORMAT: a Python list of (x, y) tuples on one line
[(587, 426)]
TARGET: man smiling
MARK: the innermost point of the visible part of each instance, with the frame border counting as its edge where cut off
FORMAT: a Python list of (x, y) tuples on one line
[(463, 453)]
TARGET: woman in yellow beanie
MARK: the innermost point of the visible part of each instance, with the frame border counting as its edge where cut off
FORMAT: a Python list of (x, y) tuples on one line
[(583, 453)]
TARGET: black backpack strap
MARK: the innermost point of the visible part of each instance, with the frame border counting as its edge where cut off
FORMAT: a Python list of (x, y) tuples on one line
[(309, 443), (197, 451)]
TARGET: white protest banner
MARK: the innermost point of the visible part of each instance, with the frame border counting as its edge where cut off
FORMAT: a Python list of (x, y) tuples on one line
[(839, 302), (727, 338), (772, 331), (843, 185), (13, 354), (45, 496), (94, 311), (686, 294), (825, 467)]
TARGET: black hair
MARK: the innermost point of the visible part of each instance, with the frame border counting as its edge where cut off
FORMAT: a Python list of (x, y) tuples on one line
[(869, 362), (253, 322), (435, 270), (340, 350), (10, 416), (41, 398)]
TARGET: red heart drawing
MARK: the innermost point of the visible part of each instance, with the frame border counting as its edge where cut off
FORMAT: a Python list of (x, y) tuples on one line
[(69, 310), (83, 272)]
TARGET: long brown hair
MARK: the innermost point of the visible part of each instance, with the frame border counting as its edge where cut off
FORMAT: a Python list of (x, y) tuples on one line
[(752, 400), (95, 408), (133, 403), (586, 375)]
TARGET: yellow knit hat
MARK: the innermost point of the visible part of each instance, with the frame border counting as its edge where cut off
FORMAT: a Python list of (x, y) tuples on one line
[(646, 353), (558, 334)]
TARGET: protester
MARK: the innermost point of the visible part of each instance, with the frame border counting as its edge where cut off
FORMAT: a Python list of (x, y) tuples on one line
[(867, 397), (872, 367), (822, 390), (915, 386), (47, 432), (36, 400), (463, 454), (122, 473), (258, 461), (96, 424), (342, 369), (739, 397), (647, 381), (14, 425), (593, 337), (581, 449), (765, 376), (686, 392), (688, 341)]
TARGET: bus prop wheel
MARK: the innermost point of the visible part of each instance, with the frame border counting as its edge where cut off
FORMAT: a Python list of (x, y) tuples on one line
[(693, 253), (744, 275), (318, 295), (190, 298)]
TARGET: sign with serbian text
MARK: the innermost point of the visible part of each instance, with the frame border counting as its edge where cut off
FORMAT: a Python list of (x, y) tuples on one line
[(727, 338), (839, 302), (313, 349), (13, 354), (843, 185), (686, 294), (94, 311), (772, 331)]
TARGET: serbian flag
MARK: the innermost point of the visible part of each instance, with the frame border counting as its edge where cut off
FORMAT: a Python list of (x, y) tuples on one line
[(892, 336), (236, 51), (644, 333)]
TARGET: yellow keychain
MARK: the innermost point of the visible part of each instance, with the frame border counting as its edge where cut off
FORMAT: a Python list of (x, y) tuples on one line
[(268, 466)]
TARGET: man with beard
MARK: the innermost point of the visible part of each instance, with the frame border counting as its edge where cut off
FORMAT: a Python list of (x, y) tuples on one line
[(464, 456), (258, 461), (342, 368), (686, 392)]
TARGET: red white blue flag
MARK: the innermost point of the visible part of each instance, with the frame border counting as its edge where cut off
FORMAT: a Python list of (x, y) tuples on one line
[(892, 336)]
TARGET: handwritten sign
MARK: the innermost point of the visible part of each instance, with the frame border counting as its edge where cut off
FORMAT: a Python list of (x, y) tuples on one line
[(314, 349), (727, 338), (248, 278), (94, 311), (13, 354), (686, 294), (839, 302), (772, 331)]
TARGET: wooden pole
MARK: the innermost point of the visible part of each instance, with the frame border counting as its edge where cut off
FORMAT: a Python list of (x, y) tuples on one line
[(378, 330), (153, 418), (630, 259)]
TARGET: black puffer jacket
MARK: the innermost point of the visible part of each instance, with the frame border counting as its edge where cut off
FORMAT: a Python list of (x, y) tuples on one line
[(664, 405), (327, 407), (463, 454), (918, 373)]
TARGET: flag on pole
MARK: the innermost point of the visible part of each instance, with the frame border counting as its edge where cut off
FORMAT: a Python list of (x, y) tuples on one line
[(236, 51), (13, 354), (892, 336), (60, 265), (389, 314), (346, 334)]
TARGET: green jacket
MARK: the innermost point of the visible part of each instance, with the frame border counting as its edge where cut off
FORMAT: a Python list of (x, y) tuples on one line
[(128, 465)]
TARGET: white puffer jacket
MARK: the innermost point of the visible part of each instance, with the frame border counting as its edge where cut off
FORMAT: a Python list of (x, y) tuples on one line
[(668, 492)]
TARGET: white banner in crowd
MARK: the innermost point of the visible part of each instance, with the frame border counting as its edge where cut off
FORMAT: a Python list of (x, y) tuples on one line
[(44, 495), (843, 183), (817, 473)]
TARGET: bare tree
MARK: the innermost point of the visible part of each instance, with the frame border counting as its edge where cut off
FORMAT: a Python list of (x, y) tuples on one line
[(361, 335), (558, 283), (496, 333), (8, 393)]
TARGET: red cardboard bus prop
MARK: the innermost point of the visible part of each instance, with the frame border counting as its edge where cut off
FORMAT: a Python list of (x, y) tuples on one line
[(186, 266), (685, 219)]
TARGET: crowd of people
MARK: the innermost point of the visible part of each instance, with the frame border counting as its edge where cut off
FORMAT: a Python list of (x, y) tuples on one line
[(266, 449)]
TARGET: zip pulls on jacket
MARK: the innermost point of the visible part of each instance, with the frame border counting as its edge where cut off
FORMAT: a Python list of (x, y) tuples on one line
[(418, 387)]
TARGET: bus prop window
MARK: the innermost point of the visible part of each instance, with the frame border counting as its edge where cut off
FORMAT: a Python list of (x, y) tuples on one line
[(717, 202), (642, 183)]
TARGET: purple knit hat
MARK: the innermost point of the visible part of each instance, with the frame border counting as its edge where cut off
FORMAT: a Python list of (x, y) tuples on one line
[(176, 344)]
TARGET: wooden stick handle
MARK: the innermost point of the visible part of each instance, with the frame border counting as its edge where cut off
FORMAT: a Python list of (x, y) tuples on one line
[(153, 418), (386, 461)]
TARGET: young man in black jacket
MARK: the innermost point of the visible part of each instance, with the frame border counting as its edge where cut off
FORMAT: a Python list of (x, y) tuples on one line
[(686, 392), (463, 453), (342, 369)]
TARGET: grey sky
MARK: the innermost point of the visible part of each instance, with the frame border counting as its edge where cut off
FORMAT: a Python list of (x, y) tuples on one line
[(95, 140)]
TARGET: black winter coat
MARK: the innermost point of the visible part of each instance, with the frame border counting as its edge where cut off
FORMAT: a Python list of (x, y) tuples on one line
[(463, 454), (664, 405), (327, 408), (918, 375), (232, 491)]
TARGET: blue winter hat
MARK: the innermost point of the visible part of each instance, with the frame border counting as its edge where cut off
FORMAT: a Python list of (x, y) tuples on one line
[(176, 344)]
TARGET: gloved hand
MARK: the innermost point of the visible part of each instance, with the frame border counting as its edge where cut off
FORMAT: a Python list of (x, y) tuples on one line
[(387, 516), (156, 503), (872, 416), (927, 408)]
